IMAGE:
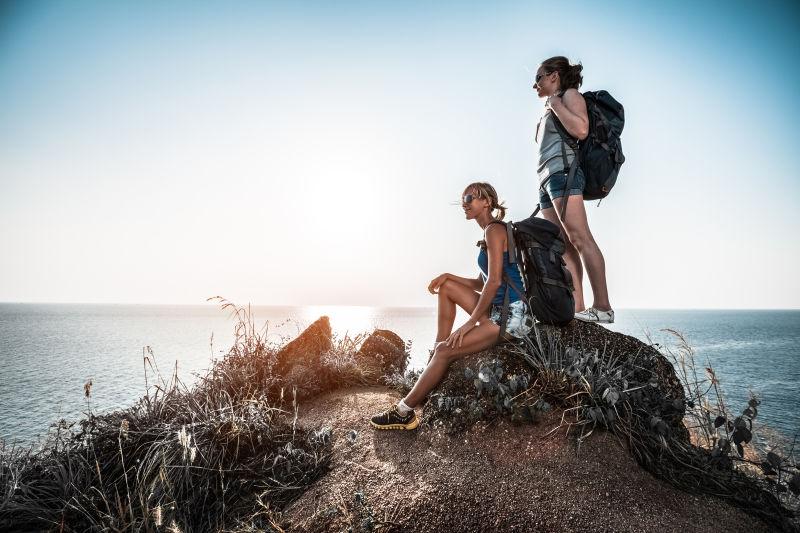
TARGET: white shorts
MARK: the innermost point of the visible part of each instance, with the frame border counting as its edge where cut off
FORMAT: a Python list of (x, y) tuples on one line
[(519, 322)]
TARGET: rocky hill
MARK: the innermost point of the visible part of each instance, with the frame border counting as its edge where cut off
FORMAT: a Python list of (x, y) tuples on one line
[(503, 449), (492, 477)]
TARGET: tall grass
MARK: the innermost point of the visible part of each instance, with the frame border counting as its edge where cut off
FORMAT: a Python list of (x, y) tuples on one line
[(225, 454), (733, 439)]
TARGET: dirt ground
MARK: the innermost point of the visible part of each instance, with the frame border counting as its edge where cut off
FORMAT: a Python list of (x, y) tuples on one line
[(496, 478)]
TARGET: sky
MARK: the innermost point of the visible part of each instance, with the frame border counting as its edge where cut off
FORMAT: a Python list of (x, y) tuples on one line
[(312, 153)]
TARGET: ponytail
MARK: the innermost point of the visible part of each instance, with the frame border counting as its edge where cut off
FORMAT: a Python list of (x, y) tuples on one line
[(570, 76), (485, 190)]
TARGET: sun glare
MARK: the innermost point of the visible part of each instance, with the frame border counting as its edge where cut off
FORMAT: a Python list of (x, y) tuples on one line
[(345, 319)]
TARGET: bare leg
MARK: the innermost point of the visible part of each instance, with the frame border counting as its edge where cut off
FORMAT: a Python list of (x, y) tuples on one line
[(482, 336), (577, 229), (571, 257), (452, 293)]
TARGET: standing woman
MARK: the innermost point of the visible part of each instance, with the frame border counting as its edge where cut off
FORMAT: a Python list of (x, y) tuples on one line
[(558, 81), (482, 297)]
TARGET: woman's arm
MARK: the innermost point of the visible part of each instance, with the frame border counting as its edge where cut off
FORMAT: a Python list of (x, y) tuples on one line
[(495, 241), (571, 111), (475, 284)]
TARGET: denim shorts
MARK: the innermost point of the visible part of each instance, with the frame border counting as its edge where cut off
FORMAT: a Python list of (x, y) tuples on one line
[(519, 322), (555, 187)]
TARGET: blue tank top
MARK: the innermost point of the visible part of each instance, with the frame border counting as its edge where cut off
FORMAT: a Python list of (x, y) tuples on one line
[(511, 271)]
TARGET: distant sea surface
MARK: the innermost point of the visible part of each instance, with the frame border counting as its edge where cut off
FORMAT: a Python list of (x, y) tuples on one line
[(48, 352)]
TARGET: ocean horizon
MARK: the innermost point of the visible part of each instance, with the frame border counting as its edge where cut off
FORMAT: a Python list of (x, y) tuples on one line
[(50, 350)]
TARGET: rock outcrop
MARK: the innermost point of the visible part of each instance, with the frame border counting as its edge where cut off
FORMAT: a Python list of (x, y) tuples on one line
[(629, 364), (312, 364), (587, 336), (490, 454), (383, 352), (306, 349), (492, 477), (279, 440)]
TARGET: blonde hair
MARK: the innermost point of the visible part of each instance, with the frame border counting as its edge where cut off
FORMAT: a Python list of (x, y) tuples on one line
[(485, 190)]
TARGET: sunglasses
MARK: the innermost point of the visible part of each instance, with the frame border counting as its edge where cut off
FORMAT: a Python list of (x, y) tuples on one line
[(540, 76), (467, 199)]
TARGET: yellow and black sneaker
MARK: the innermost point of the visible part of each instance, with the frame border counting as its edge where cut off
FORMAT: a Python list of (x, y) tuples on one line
[(392, 419)]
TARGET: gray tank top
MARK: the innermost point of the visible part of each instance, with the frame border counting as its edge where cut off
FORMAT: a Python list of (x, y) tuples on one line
[(550, 156)]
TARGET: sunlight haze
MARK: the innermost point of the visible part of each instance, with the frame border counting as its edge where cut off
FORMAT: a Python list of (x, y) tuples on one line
[(312, 153)]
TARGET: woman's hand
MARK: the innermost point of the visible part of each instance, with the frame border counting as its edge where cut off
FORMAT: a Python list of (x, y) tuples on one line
[(455, 338), (553, 102), (438, 281)]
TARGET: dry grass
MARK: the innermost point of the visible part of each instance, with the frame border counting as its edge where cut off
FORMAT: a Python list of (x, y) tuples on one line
[(734, 440), (226, 454)]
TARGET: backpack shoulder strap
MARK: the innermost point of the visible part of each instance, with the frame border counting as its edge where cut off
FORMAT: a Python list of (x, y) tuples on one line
[(569, 139), (489, 224), (568, 185), (573, 167), (511, 246)]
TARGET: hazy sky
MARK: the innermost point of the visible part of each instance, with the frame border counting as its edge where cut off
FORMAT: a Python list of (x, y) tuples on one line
[(311, 152)]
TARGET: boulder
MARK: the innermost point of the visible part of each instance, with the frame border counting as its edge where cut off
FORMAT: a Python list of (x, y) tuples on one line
[(665, 397), (506, 372), (311, 364), (384, 352), (306, 349), (588, 336)]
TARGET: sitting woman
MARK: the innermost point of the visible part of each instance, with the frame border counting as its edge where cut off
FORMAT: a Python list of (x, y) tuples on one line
[(482, 297)]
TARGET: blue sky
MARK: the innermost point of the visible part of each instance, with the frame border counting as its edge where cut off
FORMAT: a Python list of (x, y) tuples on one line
[(309, 153)]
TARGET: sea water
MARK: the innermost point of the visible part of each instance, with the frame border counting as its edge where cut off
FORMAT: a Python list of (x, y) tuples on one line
[(48, 352)]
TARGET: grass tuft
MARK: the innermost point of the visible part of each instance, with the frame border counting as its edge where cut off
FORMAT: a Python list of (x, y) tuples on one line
[(225, 454)]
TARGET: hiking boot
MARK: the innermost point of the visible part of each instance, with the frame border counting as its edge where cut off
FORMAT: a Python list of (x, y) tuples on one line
[(392, 419), (596, 315)]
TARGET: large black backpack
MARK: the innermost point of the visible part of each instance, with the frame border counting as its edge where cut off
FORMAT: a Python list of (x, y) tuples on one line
[(600, 153), (535, 246)]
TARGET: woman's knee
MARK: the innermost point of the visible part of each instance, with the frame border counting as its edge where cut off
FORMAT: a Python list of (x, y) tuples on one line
[(443, 354), (446, 289), (579, 238), (569, 248)]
